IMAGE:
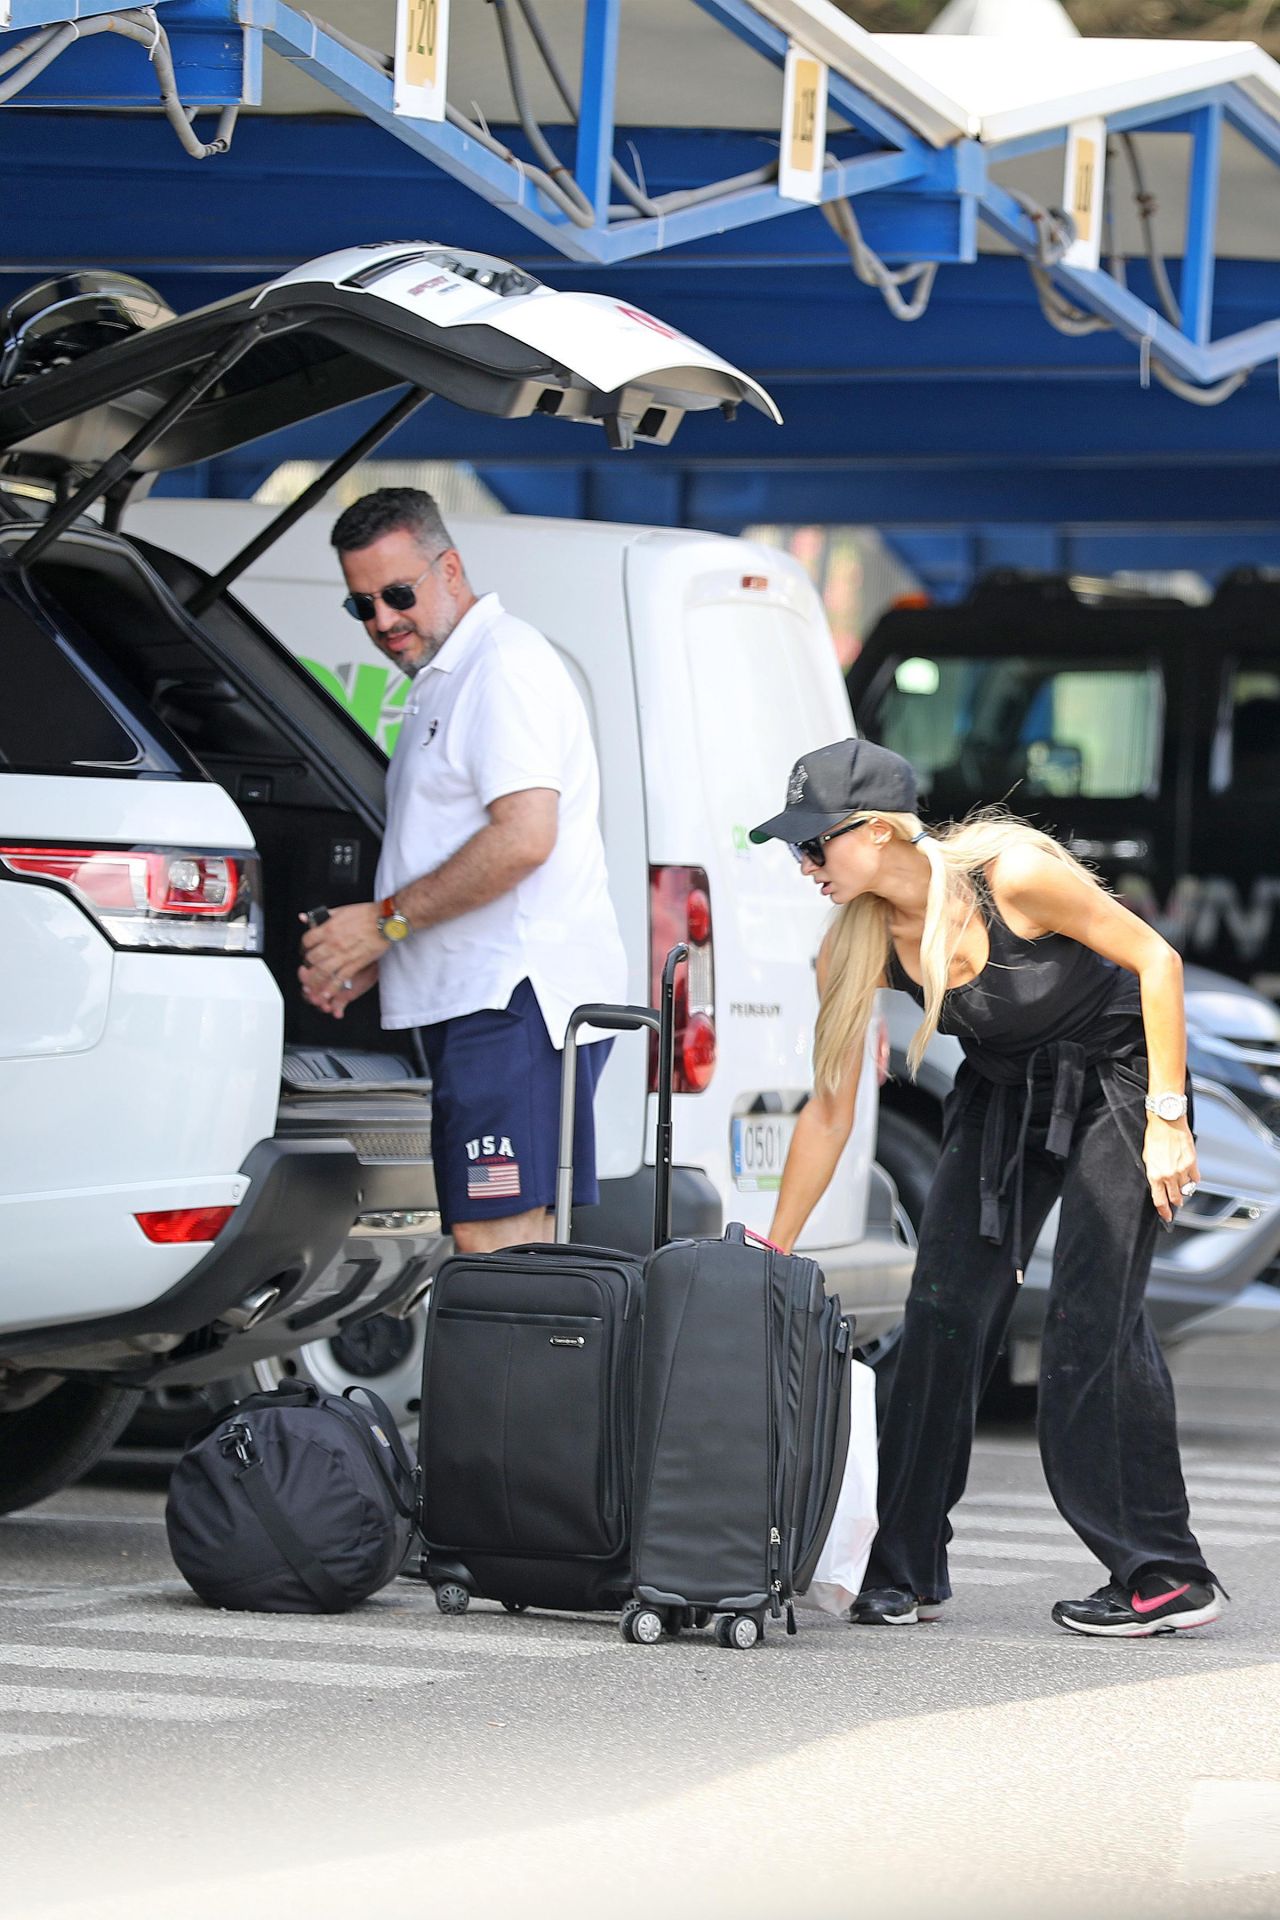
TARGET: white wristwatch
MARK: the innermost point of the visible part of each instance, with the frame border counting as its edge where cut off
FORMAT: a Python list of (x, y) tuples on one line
[(1167, 1106)]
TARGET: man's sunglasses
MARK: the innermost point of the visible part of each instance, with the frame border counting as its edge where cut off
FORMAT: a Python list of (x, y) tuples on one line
[(812, 850), (399, 596)]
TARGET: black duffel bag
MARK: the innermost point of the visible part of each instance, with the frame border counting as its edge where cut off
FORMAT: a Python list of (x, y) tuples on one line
[(295, 1501)]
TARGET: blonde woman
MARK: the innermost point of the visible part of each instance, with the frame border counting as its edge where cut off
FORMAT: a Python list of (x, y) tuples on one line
[(1070, 1013)]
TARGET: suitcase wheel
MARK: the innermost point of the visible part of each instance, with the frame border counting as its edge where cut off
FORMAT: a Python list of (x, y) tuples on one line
[(738, 1630), (642, 1626), (452, 1597)]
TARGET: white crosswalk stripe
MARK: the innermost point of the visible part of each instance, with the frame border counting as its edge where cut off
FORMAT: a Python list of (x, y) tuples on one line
[(1231, 1506), (196, 1666), (453, 1640), (19, 1745), (81, 1704), (1052, 1523), (1247, 1470), (240, 1664)]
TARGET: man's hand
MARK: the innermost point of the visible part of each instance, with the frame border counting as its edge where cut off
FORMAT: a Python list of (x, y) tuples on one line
[(346, 943), (320, 991)]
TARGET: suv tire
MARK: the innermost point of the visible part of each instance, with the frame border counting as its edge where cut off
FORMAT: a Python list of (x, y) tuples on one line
[(908, 1152), (55, 1442)]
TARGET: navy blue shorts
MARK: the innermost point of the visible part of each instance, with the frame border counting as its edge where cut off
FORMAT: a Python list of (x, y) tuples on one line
[(495, 1114)]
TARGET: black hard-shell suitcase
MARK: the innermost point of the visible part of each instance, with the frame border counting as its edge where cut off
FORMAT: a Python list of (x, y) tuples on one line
[(529, 1393), (741, 1439)]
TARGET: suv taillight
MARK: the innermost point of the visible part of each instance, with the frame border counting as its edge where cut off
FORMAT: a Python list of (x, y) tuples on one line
[(156, 897), (680, 913)]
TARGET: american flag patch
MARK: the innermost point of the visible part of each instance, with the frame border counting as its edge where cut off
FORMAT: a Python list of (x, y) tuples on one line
[(493, 1180)]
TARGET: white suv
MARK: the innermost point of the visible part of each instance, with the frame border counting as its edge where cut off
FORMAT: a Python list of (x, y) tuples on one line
[(192, 1177)]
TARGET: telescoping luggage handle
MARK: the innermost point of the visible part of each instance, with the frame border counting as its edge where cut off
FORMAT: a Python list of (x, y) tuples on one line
[(623, 1020)]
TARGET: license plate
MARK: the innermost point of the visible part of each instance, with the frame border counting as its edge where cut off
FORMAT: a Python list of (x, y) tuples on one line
[(760, 1142)]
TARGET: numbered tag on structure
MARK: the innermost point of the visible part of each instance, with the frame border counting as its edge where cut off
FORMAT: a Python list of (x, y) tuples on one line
[(804, 126), (422, 58), (1083, 191)]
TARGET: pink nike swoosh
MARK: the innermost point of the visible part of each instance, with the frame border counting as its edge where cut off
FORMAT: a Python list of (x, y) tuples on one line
[(1162, 1600)]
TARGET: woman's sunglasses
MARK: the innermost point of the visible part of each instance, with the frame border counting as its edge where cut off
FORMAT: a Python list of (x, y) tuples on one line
[(813, 850), (399, 596)]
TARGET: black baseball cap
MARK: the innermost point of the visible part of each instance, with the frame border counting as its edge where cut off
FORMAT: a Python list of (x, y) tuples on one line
[(852, 776)]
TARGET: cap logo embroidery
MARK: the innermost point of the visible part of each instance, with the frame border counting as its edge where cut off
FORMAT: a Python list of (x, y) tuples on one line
[(796, 785)]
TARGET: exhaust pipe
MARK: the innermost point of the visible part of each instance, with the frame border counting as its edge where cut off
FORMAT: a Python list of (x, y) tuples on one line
[(254, 1307)]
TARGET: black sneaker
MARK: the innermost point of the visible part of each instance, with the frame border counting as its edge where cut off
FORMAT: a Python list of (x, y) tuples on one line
[(884, 1607), (1158, 1604), (927, 1609)]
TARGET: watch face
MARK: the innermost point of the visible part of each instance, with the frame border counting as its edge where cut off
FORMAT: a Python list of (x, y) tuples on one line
[(1171, 1106)]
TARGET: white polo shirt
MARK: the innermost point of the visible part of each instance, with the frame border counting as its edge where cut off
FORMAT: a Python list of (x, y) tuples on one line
[(496, 712)]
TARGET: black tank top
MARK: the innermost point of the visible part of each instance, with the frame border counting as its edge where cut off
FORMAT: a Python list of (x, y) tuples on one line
[(1033, 994), (1041, 1016)]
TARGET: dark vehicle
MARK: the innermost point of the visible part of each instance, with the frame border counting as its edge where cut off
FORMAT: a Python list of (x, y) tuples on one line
[(1144, 733)]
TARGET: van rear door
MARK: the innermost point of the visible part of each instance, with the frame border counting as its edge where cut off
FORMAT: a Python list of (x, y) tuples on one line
[(735, 688)]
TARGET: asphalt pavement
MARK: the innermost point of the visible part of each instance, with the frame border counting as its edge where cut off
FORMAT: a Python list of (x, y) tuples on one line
[(158, 1758)]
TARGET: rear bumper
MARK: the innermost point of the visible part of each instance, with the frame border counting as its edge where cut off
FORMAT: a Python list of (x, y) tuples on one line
[(321, 1238), (302, 1200)]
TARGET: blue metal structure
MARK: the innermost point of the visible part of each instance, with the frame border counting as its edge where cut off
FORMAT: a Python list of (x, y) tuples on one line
[(217, 46), (977, 436)]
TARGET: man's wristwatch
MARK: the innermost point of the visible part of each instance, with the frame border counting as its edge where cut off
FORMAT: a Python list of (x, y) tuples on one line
[(1167, 1106), (392, 924)]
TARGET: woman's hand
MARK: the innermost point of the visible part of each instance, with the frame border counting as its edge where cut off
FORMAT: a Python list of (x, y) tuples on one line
[(1169, 1155)]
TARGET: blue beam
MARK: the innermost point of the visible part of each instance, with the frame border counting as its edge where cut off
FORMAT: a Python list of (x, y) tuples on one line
[(1259, 127), (216, 62), (506, 184), (1202, 225), (878, 494), (22, 16), (596, 100), (1136, 319)]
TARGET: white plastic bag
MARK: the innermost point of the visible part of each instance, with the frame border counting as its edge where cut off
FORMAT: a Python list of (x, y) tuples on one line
[(837, 1578)]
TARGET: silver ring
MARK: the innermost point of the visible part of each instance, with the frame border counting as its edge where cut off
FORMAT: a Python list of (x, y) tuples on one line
[(1189, 1189), (347, 985)]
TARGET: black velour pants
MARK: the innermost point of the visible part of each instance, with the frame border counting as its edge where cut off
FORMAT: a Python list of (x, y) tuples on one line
[(1107, 1425)]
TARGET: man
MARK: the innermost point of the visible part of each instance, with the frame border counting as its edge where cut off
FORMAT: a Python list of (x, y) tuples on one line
[(492, 919)]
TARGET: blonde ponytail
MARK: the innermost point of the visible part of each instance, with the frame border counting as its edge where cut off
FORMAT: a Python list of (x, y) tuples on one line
[(858, 944)]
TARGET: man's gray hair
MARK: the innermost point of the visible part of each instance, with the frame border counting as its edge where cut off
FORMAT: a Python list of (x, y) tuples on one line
[(392, 510)]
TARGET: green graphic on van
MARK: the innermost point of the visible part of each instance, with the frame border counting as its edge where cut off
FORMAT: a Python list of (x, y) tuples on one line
[(373, 696)]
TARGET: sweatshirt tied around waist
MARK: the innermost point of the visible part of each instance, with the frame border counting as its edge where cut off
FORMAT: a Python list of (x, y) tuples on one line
[(1040, 1018)]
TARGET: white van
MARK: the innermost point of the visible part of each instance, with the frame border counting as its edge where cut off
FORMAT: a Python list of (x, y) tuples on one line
[(191, 1180), (707, 668)]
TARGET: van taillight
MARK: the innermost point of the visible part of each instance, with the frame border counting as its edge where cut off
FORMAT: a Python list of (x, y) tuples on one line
[(156, 897), (680, 913)]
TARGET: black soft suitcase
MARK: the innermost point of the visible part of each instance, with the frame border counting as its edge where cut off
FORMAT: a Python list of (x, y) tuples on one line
[(741, 1436), (527, 1429)]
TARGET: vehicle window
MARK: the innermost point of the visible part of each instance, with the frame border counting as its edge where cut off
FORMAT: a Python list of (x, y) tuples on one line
[(51, 719), (980, 729), (1247, 751)]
